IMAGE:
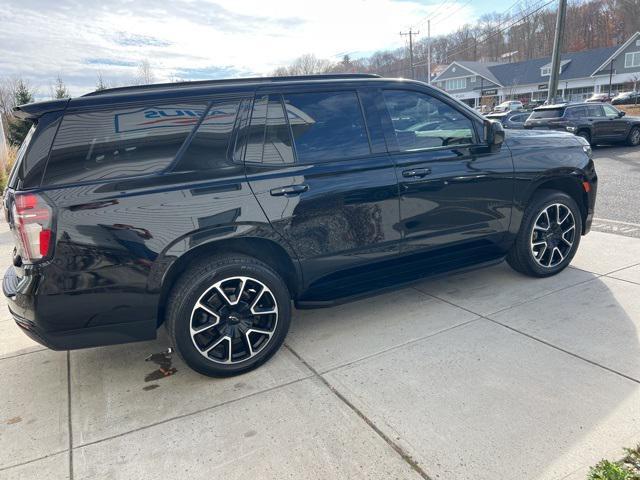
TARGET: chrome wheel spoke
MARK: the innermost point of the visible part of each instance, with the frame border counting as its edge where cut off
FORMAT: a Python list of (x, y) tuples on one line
[(237, 294)]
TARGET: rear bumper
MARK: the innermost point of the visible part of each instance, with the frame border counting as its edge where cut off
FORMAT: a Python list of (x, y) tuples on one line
[(23, 306)]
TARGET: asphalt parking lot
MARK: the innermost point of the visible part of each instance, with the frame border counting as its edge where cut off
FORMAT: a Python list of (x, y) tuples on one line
[(618, 205), (483, 375)]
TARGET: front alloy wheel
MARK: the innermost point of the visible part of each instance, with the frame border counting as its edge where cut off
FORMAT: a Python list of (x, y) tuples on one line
[(549, 235), (553, 234)]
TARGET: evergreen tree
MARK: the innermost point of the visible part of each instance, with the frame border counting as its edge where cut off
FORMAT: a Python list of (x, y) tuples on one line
[(18, 128), (60, 90)]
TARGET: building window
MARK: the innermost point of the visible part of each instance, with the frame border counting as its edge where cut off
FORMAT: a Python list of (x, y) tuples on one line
[(456, 84), (632, 59), (545, 71), (473, 79)]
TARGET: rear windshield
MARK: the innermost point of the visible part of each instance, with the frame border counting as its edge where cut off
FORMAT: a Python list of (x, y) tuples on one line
[(547, 113)]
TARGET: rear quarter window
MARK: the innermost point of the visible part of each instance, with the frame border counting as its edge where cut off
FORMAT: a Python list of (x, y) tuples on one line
[(327, 126), (121, 142)]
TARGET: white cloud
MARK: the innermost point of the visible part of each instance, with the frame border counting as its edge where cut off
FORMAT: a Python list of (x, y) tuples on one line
[(194, 38)]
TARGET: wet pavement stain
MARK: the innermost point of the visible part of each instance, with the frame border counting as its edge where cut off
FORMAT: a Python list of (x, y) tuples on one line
[(163, 360), (14, 420), (250, 433), (148, 388)]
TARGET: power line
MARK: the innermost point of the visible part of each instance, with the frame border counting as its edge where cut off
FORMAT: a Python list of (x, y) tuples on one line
[(476, 43), (431, 15), (411, 33)]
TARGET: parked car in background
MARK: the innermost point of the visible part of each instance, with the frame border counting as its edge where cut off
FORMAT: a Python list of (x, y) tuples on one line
[(511, 119), (534, 103), (509, 105), (626, 98), (599, 98), (595, 122), (211, 207)]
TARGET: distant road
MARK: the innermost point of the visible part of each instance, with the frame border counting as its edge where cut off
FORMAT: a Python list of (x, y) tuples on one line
[(618, 201)]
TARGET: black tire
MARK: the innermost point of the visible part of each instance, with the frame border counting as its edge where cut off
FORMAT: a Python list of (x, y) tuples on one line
[(585, 134), (521, 255), (199, 280), (633, 139)]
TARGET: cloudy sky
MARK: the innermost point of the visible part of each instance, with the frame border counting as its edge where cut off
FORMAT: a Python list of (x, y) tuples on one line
[(199, 39)]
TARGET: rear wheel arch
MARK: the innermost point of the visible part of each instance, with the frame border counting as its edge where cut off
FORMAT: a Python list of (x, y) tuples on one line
[(267, 251)]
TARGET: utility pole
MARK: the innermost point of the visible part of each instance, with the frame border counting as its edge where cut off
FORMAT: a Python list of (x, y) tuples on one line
[(429, 51), (411, 33), (557, 46), (610, 76)]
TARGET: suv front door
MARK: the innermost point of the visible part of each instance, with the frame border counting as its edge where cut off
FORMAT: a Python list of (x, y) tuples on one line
[(618, 126), (453, 189), (331, 192)]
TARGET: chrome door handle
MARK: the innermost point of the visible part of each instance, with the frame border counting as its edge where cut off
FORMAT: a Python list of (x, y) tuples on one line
[(289, 190), (416, 173)]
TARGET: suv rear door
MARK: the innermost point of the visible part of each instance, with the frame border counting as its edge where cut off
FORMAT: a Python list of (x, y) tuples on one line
[(453, 189), (332, 192), (601, 129)]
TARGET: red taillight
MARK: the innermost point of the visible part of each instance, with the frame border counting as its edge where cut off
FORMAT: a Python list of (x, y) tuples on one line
[(33, 222)]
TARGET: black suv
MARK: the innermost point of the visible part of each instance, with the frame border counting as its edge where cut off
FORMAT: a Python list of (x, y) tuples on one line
[(211, 206), (595, 122), (511, 119)]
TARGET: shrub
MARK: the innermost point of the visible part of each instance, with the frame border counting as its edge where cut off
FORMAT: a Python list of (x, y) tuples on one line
[(606, 470), (7, 159)]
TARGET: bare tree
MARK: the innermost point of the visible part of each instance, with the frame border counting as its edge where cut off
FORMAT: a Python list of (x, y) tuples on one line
[(100, 83), (307, 64), (145, 74), (8, 88)]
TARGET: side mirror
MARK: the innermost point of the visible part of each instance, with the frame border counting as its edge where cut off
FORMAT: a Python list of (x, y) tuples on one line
[(622, 114), (494, 134)]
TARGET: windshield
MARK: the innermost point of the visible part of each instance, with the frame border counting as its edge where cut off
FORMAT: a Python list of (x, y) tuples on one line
[(547, 113), (19, 156)]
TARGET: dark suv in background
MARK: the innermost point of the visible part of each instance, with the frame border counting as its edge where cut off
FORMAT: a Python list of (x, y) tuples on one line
[(210, 206), (595, 122), (512, 119)]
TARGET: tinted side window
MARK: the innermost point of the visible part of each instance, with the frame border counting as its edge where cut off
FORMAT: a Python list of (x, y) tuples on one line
[(595, 111), (421, 121), (120, 142), (209, 147), (327, 126), (576, 112), (610, 112), (269, 140)]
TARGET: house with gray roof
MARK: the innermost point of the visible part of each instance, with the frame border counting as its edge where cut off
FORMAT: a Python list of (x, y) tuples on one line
[(582, 73)]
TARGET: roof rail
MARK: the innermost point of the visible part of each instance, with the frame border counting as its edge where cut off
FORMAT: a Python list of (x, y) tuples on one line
[(201, 83)]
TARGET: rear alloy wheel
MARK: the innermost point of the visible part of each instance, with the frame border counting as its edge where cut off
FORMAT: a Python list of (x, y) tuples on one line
[(228, 314), (549, 235), (233, 320), (634, 137)]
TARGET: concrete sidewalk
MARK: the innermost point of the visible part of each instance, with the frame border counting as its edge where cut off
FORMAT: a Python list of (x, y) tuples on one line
[(484, 375)]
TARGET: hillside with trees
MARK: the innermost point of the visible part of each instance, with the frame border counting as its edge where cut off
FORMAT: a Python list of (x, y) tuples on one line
[(523, 32)]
